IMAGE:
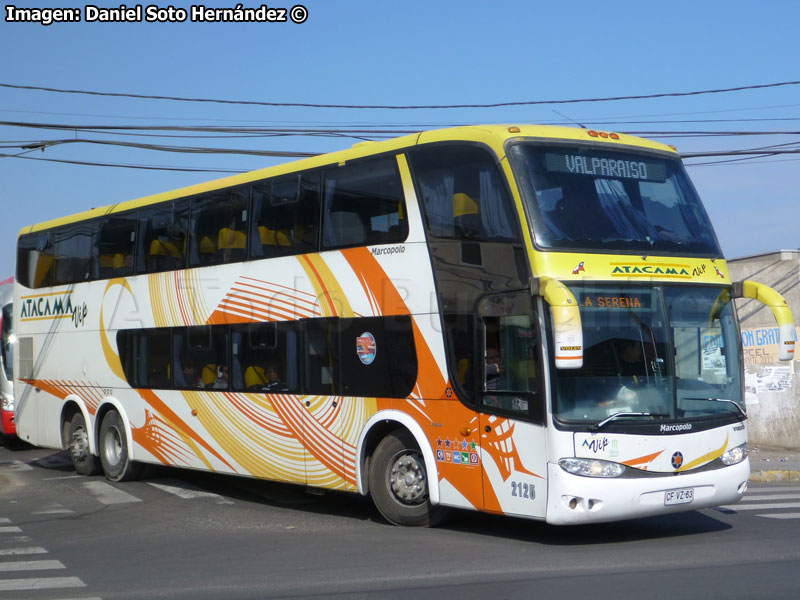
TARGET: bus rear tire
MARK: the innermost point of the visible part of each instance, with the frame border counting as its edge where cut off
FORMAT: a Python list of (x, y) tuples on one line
[(113, 449), (398, 483), (76, 438)]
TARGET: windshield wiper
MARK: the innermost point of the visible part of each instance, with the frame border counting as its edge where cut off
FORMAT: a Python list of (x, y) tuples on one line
[(726, 400), (620, 415)]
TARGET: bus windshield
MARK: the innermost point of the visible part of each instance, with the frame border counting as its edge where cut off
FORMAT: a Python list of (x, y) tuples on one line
[(581, 198), (666, 353)]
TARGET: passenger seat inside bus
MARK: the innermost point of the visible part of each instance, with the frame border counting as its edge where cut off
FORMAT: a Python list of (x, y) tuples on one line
[(164, 255), (274, 237), (209, 375), (255, 378), (348, 228), (231, 244)]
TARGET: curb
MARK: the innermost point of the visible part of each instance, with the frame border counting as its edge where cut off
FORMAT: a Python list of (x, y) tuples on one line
[(774, 475)]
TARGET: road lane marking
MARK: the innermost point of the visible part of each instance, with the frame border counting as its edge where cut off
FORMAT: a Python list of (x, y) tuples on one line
[(18, 551), (31, 565), (40, 583), (108, 494), (11, 529), (781, 516)]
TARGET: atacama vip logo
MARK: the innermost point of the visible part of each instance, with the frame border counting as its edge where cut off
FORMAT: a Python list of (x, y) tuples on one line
[(659, 269)]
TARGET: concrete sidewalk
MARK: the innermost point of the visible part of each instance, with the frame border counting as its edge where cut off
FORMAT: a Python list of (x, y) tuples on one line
[(774, 464)]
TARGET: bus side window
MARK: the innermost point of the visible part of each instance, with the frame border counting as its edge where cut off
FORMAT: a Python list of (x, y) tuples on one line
[(145, 357), (285, 216), (35, 260), (321, 372), (364, 205), (265, 357), (462, 194), (219, 227), (73, 247), (115, 245), (162, 237)]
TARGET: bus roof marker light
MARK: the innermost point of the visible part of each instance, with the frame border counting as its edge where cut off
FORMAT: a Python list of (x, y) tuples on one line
[(592, 133), (513, 130), (613, 136)]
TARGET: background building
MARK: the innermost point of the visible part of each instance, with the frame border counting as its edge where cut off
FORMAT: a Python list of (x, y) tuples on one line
[(772, 389)]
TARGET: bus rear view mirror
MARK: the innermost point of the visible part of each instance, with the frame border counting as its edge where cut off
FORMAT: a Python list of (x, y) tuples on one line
[(780, 309), (566, 317)]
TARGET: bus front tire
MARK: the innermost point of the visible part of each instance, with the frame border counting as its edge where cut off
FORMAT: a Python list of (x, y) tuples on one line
[(398, 483), (113, 449), (77, 441)]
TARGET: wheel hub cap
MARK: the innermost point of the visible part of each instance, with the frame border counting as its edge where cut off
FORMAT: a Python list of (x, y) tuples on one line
[(407, 480)]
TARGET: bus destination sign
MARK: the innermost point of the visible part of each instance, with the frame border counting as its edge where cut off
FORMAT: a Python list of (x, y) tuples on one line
[(605, 166), (607, 300)]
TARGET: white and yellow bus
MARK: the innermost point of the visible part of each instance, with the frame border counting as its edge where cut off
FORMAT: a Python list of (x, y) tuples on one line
[(523, 320)]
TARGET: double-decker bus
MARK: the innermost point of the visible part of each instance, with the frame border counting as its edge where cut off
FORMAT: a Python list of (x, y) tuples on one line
[(7, 426), (523, 320)]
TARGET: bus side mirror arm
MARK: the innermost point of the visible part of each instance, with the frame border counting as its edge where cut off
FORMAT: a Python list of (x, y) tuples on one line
[(780, 309), (565, 312)]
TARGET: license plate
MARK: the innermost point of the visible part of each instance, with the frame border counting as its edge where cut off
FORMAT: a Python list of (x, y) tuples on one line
[(684, 496)]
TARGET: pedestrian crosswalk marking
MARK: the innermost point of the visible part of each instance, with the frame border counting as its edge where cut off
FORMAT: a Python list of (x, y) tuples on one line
[(762, 506), (768, 498), (31, 565), (188, 493), (15, 465), (54, 509), (40, 583), (20, 551), (108, 494)]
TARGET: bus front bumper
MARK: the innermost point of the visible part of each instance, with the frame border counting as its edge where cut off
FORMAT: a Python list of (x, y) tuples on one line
[(573, 499)]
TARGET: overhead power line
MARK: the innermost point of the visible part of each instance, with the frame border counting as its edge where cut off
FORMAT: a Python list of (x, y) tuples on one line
[(401, 107), (162, 148), (124, 166)]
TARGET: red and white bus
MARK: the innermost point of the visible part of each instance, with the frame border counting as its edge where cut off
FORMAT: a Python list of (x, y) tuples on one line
[(7, 426)]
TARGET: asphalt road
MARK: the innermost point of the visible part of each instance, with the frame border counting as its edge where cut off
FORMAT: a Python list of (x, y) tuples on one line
[(183, 535)]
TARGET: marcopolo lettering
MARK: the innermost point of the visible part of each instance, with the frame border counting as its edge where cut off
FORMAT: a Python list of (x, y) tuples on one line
[(678, 427), (385, 251)]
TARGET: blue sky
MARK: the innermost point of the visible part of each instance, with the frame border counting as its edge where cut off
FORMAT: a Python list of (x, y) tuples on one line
[(410, 53)]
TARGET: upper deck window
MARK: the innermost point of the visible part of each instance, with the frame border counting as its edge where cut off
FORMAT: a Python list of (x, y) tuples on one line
[(462, 194), (582, 198)]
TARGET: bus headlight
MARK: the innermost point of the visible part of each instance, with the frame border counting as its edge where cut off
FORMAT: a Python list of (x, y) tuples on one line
[(734, 455), (591, 467), (8, 403)]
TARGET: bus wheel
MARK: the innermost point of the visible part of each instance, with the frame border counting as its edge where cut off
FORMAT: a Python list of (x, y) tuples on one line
[(113, 448), (398, 483), (77, 440)]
